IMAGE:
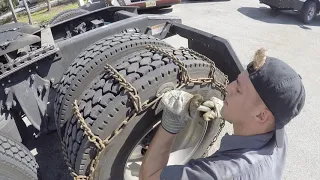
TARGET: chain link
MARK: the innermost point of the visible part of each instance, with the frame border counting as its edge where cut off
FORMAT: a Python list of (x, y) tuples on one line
[(212, 68), (222, 88), (221, 126), (184, 75), (126, 85), (211, 78), (184, 78), (204, 58)]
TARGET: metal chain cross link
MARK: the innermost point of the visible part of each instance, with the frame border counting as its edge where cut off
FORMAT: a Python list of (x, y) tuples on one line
[(185, 77), (221, 126), (139, 106), (125, 84), (204, 58), (213, 68)]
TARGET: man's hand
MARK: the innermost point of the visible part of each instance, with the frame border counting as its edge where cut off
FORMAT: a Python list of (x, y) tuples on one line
[(211, 109), (179, 108)]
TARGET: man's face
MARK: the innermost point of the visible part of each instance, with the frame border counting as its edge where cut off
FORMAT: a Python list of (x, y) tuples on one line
[(239, 104)]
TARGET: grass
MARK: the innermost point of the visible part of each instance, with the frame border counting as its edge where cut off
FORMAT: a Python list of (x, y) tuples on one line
[(43, 16)]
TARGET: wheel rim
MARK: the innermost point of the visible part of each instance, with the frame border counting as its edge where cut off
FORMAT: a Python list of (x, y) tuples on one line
[(311, 13), (184, 146)]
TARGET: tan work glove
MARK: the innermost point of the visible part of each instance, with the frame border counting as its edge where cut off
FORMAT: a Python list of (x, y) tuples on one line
[(211, 109), (179, 108)]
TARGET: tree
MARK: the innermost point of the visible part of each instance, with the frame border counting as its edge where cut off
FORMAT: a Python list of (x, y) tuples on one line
[(28, 11), (49, 5), (14, 16), (80, 3)]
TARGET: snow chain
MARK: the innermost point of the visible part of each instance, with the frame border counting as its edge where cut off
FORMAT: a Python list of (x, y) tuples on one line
[(184, 78)]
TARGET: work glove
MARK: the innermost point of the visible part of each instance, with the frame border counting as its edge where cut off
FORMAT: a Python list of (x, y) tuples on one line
[(179, 108), (211, 109)]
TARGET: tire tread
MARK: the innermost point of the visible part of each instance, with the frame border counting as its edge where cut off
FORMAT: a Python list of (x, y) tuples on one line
[(67, 14), (18, 153), (136, 70), (79, 69)]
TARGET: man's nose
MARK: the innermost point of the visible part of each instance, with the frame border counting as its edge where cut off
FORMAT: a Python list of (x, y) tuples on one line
[(230, 88)]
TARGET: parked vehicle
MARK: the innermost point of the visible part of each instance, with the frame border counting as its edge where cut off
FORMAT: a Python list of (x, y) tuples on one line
[(65, 77), (93, 5), (29, 2), (140, 4), (307, 9)]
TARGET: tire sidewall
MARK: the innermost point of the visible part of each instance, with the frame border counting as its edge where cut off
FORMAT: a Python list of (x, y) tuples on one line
[(67, 14), (305, 11)]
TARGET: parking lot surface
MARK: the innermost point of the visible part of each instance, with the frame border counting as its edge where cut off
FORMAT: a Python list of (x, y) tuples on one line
[(247, 25)]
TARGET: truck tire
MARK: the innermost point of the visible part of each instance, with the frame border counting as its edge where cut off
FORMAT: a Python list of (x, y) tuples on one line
[(104, 105), (90, 63), (308, 11), (12, 128), (16, 161), (67, 14)]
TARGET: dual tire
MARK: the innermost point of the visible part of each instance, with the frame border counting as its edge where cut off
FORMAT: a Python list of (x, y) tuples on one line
[(104, 104)]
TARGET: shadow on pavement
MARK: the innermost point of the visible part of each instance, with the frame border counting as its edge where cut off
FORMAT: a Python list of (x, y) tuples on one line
[(169, 9), (201, 1), (48, 153), (155, 11), (267, 15)]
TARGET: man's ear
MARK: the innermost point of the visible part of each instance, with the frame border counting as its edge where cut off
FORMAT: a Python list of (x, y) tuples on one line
[(264, 115)]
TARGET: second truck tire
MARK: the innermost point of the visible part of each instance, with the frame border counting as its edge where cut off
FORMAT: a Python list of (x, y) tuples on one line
[(16, 161), (104, 105), (67, 14)]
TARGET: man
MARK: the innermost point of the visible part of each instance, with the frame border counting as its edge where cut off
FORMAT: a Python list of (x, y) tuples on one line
[(259, 103)]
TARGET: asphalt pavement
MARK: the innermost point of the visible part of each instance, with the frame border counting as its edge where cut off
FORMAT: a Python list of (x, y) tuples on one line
[(247, 25)]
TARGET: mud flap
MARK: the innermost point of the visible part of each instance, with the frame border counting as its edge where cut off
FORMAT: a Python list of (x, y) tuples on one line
[(32, 95)]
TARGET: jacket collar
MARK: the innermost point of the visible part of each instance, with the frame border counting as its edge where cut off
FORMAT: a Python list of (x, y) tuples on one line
[(233, 142)]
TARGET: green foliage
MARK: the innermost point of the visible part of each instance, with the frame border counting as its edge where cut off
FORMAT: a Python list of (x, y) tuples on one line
[(43, 16), (6, 20), (5, 7)]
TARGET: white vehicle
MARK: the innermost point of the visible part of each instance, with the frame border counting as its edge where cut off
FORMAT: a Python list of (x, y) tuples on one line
[(307, 9), (29, 2)]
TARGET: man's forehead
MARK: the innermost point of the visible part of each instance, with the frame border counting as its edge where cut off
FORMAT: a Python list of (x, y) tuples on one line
[(245, 82), (244, 77)]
